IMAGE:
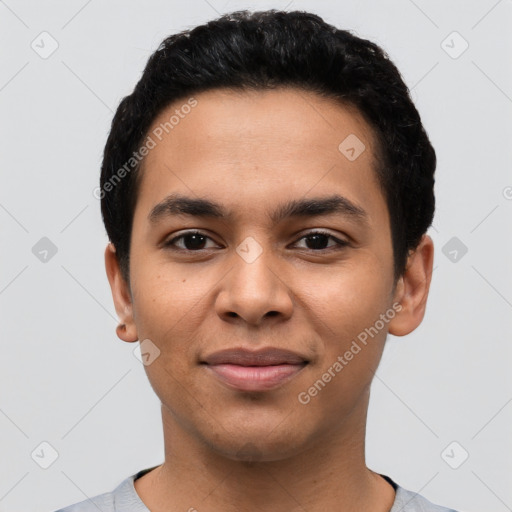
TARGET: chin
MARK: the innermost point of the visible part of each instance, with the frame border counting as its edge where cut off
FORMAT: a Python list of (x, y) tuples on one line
[(267, 442), (253, 451)]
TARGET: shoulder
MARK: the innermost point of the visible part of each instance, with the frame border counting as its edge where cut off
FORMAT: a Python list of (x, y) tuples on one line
[(103, 502), (122, 499), (408, 501)]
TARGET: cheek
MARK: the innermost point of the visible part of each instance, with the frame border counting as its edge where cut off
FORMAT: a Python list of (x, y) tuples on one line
[(347, 307), (164, 313), (348, 304), (348, 298), (163, 305)]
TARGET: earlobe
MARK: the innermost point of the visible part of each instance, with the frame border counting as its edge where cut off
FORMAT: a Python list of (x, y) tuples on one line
[(412, 289), (126, 330)]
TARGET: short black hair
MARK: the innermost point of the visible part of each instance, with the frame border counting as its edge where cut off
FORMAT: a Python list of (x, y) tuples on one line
[(247, 50)]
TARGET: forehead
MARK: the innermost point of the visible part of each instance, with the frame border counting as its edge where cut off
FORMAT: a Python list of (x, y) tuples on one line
[(248, 147), (287, 118)]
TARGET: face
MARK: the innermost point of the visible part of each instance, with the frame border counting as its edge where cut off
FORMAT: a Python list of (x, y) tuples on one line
[(261, 271)]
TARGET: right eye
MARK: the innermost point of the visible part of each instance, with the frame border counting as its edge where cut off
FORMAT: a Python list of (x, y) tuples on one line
[(192, 241)]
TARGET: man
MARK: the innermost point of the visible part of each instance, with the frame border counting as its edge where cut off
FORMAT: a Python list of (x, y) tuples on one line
[(266, 189)]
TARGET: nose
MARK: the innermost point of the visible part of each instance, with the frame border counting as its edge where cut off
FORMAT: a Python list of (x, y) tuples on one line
[(255, 292)]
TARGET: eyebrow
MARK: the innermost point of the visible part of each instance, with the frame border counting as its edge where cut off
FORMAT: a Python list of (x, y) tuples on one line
[(176, 204)]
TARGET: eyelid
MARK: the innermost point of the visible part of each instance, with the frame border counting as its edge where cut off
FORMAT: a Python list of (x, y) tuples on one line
[(340, 243), (169, 243)]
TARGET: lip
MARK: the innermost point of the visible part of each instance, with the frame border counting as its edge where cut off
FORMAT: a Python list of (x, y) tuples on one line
[(255, 370)]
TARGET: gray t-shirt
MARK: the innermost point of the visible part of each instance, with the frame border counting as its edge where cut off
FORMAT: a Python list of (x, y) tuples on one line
[(124, 498)]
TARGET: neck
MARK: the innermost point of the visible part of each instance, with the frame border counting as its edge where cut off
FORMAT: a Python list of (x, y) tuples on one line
[(329, 474)]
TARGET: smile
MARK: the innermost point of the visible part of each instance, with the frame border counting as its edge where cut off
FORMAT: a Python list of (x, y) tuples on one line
[(247, 370)]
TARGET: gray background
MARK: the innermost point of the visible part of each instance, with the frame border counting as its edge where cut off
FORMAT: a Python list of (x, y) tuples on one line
[(65, 378)]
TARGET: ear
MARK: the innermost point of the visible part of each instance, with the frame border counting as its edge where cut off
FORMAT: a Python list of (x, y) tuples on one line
[(412, 289), (121, 294)]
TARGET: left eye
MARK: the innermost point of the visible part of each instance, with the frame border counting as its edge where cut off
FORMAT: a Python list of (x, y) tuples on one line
[(195, 241), (318, 239)]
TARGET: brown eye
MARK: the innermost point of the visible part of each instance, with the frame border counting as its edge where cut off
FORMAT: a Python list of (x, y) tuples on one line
[(191, 241), (318, 240)]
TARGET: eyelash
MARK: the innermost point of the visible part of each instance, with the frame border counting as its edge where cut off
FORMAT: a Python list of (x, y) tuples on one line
[(340, 243)]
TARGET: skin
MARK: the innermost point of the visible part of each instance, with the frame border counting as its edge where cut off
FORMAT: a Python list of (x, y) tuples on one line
[(228, 450)]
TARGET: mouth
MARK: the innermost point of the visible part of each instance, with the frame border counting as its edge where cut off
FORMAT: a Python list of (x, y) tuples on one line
[(249, 370)]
